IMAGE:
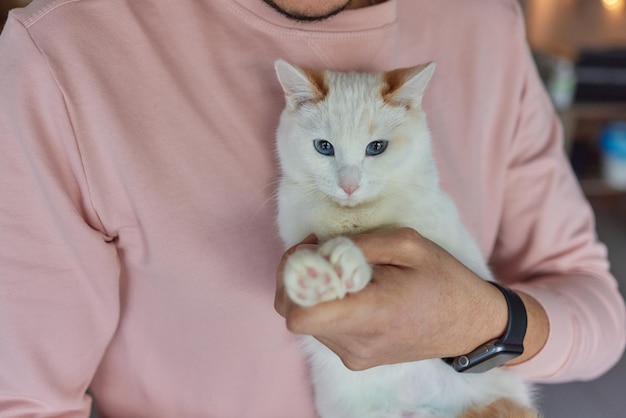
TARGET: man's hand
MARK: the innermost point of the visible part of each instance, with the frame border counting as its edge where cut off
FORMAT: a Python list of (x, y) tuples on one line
[(421, 303)]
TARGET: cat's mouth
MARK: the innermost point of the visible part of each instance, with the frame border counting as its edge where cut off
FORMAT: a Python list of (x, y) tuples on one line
[(348, 201)]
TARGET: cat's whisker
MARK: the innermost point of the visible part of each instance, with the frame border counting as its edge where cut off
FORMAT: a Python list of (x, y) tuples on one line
[(308, 194), (400, 185), (273, 185), (262, 205)]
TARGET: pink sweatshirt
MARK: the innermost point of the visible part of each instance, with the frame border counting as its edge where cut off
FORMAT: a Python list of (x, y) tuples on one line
[(137, 237)]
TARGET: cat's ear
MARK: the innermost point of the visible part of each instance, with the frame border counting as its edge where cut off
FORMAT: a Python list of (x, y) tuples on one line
[(301, 85), (406, 86)]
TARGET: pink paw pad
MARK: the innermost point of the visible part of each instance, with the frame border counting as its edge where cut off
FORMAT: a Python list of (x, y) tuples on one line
[(327, 279)]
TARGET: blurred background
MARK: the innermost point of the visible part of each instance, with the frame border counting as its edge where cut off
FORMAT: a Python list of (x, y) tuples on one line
[(580, 51)]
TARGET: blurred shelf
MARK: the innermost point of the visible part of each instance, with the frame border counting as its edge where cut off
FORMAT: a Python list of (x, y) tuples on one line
[(594, 110), (597, 187), (583, 122)]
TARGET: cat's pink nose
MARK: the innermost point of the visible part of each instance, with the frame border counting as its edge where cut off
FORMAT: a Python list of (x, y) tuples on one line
[(349, 188), (349, 178)]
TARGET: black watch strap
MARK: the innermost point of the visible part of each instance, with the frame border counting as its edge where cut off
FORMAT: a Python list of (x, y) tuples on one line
[(497, 352), (518, 321)]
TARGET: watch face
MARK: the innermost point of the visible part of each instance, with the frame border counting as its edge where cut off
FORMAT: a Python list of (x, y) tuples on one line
[(496, 360), (486, 357)]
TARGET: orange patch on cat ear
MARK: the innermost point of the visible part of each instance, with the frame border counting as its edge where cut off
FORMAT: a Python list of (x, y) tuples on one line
[(300, 85), (318, 82), (405, 86), (393, 80), (502, 408)]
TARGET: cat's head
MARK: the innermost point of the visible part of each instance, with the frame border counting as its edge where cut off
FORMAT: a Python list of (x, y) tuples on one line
[(354, 137)]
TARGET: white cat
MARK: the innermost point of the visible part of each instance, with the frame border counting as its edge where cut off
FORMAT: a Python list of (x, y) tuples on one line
[(355, 155)]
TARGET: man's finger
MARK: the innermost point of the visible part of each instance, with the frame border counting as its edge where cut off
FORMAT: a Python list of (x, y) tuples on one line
[(398, 247), (334, 316)]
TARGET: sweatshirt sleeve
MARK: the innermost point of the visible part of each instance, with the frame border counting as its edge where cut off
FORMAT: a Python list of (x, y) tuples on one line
[(59, 299), (548, 248)]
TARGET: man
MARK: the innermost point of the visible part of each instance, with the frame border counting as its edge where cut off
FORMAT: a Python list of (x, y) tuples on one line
[(138, 246)]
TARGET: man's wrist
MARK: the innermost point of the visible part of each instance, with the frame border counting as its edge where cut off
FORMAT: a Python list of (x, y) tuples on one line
[(538, 329), (498, 351)]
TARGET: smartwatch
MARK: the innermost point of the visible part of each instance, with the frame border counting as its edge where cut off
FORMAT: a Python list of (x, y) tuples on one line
[(499, 351)]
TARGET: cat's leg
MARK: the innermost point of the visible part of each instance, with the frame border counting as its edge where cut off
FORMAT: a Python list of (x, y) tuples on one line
[(338, 268)]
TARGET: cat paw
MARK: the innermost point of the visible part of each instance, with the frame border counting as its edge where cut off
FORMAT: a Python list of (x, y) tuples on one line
[(348, 262), (309, 278), (338, 268)]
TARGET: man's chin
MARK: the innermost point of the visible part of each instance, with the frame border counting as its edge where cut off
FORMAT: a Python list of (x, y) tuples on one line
[(301, 12)]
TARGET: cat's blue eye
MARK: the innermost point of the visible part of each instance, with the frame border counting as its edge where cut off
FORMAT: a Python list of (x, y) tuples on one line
[(324, 147), (376, 147)]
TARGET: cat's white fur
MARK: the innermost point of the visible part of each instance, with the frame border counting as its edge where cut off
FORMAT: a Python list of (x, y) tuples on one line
[(351, 192)]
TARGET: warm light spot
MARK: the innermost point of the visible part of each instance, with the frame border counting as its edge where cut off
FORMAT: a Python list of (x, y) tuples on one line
[(612, 4)]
